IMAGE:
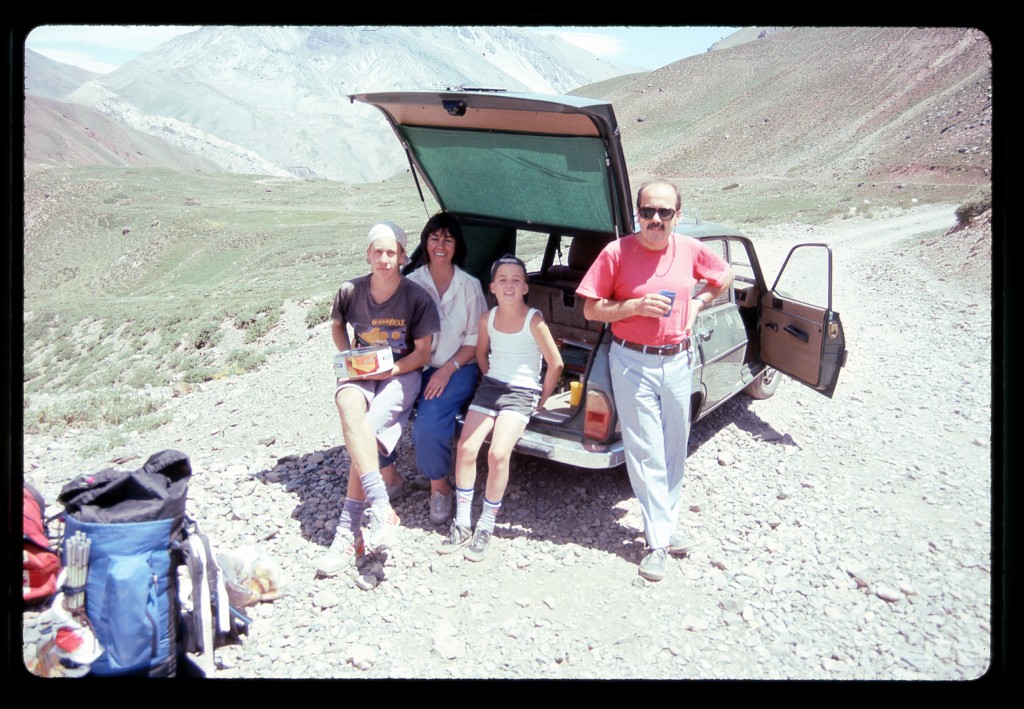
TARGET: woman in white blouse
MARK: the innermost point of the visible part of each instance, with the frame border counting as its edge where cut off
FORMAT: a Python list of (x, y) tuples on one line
[(451, 375)]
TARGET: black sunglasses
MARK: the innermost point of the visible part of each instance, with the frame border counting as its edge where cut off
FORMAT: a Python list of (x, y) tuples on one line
[(665, 213)]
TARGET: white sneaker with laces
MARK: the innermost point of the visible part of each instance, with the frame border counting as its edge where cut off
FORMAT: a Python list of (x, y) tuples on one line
[(342, 555), (383, 527)]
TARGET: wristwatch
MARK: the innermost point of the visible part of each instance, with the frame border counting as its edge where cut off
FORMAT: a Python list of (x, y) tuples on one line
[(456, 365)]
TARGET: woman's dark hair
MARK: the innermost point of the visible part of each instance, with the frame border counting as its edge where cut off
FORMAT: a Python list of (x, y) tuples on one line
[(444, 220)]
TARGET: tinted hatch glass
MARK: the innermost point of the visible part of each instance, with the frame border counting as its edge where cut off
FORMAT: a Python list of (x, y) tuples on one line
[(536, 179)]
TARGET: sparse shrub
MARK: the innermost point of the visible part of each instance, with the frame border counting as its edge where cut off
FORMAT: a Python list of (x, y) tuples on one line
[(193, 368), (258, 321), (141, 327), (246, 318), (198, 374), (149, 421), (146, 374), (171, 359), (64, 350), (319, 313), (169, 338), (117, 437), (262, 327), (109, 375), (79, 373), (105, 349), (38, 327), (246, 360), (127, 407), (968, 211), (206, 336), (41, 380), (171, 321), (186, 362), (108, 328), (92, 409)]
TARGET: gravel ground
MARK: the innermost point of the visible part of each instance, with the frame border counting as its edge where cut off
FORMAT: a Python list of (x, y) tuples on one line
[(839, 539)]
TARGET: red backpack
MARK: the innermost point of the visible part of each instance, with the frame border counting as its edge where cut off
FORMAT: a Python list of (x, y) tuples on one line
[(40, 565)]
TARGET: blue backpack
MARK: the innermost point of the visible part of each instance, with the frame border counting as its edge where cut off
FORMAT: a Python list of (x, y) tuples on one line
[(139, 537)]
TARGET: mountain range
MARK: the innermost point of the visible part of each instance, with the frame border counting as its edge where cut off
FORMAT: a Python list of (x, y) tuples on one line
[(836, 104), (274, 100)]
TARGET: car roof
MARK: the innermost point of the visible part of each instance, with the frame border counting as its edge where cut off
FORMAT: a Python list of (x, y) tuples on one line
[(524, 160), (696, 227)]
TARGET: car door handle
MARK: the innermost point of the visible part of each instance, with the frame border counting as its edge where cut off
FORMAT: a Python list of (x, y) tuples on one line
[(797, 332)]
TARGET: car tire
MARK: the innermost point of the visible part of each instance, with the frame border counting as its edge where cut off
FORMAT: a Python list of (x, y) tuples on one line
[(765, 385)]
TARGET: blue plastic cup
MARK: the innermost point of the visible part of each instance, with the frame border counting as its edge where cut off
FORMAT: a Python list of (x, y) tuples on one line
[(671, 295)]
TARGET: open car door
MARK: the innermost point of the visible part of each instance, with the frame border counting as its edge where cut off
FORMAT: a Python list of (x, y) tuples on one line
[(801, 335)]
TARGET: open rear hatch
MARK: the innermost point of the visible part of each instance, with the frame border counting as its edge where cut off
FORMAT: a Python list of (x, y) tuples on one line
[(523, 160)]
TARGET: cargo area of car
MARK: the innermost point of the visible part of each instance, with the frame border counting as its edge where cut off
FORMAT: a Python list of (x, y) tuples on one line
[(552, 291), (574, 335)]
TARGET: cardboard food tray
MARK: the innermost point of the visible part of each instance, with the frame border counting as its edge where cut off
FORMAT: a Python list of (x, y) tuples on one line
[(363, 362)]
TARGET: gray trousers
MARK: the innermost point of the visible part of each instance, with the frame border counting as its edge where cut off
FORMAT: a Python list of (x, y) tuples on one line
[(652, 396)]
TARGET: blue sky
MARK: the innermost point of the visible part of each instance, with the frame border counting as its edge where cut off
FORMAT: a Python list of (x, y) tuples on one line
[(104, 48)]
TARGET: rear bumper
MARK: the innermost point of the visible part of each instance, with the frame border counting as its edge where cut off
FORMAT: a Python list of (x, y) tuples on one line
[(597, 456)]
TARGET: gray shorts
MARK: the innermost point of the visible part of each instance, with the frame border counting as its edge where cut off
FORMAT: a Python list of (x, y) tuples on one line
[(497, 398), (388, 404)]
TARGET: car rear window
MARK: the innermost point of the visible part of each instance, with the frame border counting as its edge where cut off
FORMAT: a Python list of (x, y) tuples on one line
[(544, 180)]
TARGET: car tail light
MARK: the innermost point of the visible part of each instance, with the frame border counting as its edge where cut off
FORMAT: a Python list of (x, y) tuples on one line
[(597, 419)]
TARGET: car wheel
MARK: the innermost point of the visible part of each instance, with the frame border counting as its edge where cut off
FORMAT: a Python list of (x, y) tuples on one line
[(765, 385)]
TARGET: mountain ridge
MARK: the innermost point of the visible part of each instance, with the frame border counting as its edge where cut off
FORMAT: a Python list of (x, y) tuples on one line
[(244, 86), (838, 104)]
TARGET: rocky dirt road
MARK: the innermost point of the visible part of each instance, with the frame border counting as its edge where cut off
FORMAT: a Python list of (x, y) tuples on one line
[(839, 539)]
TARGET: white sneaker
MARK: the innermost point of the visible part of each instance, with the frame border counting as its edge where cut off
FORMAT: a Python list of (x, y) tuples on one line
[(383, 528), (457, 538), (680, 543), (343, 554), (652, 566)]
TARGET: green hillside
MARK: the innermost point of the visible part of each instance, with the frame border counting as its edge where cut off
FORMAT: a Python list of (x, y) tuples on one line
[(146, 277)]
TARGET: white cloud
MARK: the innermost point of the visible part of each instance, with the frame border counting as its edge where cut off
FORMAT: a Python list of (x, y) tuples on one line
[(139, 38), (601, 45), (99, 48)]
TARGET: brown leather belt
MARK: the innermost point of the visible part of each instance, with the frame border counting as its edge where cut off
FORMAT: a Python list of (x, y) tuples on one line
[(663, 350)]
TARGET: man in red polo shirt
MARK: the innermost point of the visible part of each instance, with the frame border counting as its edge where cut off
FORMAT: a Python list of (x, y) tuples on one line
[(641, 285)]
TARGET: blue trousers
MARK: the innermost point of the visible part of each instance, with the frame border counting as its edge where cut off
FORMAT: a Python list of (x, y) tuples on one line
[(652, 396), (434, 428)]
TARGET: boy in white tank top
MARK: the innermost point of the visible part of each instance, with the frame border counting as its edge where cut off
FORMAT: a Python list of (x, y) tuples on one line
[(512, 340)]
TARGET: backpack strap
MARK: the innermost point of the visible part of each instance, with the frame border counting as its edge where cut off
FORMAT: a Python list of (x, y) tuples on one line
[(207, 616), (203, 608)]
